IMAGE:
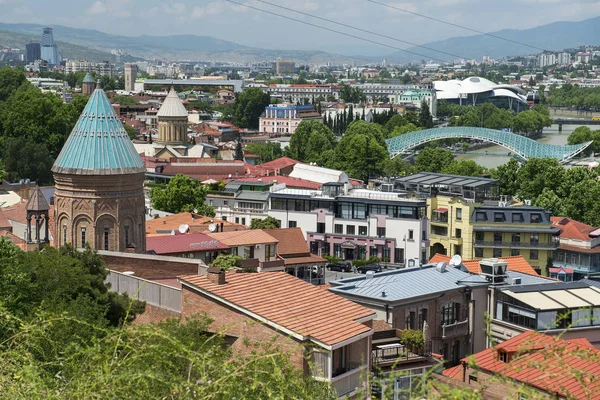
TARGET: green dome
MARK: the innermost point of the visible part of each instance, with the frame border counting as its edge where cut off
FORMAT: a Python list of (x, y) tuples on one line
[(88, 78), (98, 144)]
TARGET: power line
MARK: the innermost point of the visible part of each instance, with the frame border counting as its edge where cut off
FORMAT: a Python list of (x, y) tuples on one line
[(359, 29), (455, 25), (334, 31)]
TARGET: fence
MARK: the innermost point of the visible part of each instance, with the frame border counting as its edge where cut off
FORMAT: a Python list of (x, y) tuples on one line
[(152, 293)]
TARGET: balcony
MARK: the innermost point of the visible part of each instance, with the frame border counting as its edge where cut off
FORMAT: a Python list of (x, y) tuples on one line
[(554, 244), (456, 329), (350, 380), (387, 349), (255, 263)]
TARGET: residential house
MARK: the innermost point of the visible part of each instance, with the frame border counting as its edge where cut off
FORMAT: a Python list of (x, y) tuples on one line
[(533, 365), (241, 201), (579, 247), (326, 336), (354, 224), (187, 222), (257, 248), (193, 245)]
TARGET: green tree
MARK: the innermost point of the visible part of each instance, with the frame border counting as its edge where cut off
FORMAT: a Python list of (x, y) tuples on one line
[(131, 131), (352, 94), (425, 118), (433, 160), (267, 151), (401, 130), (124, 100), (239, 152), (227, 262), (181, 194), (412, 117), (549, 200), (507, 175), (26, 159), (309, 141), (397, 167), (537, 174), (464, 168), (266, 223), (583, 134), (362, 152), (249, 106), (10, 80)]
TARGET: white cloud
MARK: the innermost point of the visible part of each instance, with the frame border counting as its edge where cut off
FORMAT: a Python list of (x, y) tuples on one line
[(99, 7), (174, 8)]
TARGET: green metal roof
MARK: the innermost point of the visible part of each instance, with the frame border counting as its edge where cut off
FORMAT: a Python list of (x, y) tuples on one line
[(522, 147), (88, 78), (98, 144)]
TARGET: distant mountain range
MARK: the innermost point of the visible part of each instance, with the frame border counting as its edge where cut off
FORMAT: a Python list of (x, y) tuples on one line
[(95, 45), (176, 47), (554, 36)]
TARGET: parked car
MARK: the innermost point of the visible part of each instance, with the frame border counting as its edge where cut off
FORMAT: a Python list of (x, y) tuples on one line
[(369, 267), (340, 267)]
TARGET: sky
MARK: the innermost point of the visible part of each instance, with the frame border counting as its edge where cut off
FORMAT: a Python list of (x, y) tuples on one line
[(224, 20)]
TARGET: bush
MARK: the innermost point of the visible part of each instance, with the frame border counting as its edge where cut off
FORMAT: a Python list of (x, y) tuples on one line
[(332, 259), (371, 260), (413, 339)]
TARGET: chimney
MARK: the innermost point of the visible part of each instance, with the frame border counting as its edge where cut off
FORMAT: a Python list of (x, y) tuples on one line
[(216, 276)]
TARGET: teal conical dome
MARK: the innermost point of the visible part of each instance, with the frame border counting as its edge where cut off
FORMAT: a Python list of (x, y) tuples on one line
[(88, 78), (98, 144)]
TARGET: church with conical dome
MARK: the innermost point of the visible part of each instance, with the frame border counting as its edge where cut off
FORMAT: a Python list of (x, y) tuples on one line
[(172, 132), (99, 178)]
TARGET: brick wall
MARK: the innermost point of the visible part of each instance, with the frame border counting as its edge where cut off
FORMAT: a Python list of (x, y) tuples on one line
[(154, 314), (152, 267), (232, 322)]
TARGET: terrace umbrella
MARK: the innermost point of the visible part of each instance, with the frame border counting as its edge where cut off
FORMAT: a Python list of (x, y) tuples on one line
[(426, 335)]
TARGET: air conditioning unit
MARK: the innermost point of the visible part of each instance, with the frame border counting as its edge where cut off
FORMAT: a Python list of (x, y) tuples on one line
[(257, 246)]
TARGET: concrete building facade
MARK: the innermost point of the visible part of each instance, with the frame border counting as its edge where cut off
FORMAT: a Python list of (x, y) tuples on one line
[(131, 70)]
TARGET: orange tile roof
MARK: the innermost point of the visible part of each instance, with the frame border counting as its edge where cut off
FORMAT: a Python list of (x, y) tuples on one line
[(568, 368), (381, 325), (195, 221), (279, 163), (16, 212), (244, 238), (454, 372), (289, 303), (572, 229), (291, 241), (515, 263)]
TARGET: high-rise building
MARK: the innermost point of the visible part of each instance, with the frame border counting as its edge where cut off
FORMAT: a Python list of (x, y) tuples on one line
[(33, 51), (49, 49), (285, 67), (546, 60), (564, 58), (104, 68), (130, 76)]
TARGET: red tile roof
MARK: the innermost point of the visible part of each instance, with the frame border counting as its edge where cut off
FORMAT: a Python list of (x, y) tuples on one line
[(568, 368), (290, 303), (565, 270), (291, 241), (176, 244), (515, 263), (571, 229), (279, 163), (196, 223), (244, 238), (16, 212), (454, 372)]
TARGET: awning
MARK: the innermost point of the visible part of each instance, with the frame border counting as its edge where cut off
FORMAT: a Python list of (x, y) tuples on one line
[(441, 210), (348, 245)]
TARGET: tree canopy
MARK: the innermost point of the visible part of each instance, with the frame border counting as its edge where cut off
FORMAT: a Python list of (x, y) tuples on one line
[(250, 104), (181, 194), (267, 151), (266, 223), (309, 142)]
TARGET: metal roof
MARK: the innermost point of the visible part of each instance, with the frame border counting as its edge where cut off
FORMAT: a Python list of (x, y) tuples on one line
[(252, 195), (88, 78), (407, 283), (432, 178), (172, 106), (98, 144), (522, 147), (37, 201)]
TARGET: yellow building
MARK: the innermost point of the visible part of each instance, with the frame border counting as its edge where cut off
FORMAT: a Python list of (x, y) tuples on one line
[(450, 229)]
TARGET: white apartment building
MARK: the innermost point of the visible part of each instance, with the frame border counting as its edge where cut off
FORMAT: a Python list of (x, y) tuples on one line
[(376, 91), (355, 224), (546, 60), (301, 93), (103, 68)]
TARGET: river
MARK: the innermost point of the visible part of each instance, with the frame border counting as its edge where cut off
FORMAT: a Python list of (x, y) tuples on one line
[(550, 135)]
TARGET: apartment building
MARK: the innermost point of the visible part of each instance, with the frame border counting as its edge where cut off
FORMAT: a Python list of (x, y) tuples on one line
[(355, 224), (104, 68), (241, 202), (294, 93), (579, 249), (283, 119)]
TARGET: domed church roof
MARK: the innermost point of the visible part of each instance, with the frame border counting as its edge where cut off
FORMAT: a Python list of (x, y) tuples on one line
[(88, 78), (172, 106), (98, 144)]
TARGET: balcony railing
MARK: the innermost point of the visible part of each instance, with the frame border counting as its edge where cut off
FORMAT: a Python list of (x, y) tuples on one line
[(458, 328), (554, 244), (250, 263), (350, 381), (272, 264)]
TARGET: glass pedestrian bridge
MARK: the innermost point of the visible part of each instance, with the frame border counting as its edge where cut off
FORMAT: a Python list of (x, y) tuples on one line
[(521, 147)]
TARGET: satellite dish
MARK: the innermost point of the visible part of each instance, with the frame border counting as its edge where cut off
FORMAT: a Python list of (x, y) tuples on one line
[(183, 228), (212, 227), (456, 260), (441, 266), (195, 211)]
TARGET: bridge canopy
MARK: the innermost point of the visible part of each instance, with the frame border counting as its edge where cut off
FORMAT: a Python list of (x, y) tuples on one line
[(522, 147)]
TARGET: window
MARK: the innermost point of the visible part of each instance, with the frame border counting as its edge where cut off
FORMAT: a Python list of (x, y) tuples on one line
[(478, 252), (534, 238), (64, 234), (536, 218), (82, 237), (411, 235), (373, 251), (480, 216), (410, 320), (515, 252), (320, 227), (422, 317), (497, 252), (225, 219), (533, 254), (516, 238), (126, 235), (243, 221), (248, 251), (573, 259), (502, 356), (270, 251), (479, 236), (560, 256), (337, 250), (386, 253), (350, 230), (237, 220), (497, 237), (459, 214), (339, 228), (399, 255), (362, 231), (450, 313), (292, 224), (226, 202), (106, 238), (517, 217), (458, 233), (499, 217), (380, 232)]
